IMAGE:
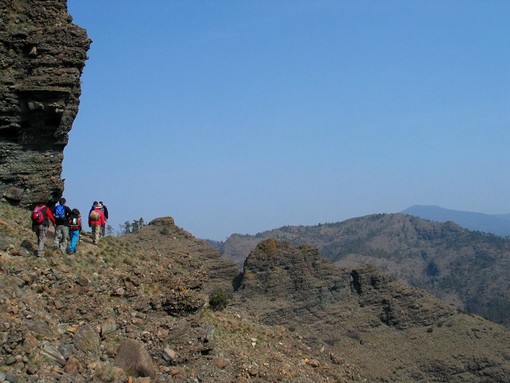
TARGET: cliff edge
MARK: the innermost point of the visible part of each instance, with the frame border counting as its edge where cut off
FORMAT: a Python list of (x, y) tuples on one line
[(42, 55)]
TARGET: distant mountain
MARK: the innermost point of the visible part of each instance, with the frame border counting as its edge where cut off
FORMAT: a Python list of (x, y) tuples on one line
[(498, 224), (467, 268)]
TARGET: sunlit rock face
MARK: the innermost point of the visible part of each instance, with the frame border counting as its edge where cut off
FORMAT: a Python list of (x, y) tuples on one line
[(42, 55)]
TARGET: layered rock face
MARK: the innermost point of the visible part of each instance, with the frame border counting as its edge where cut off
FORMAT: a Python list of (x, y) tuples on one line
[(392, 332), (42, 55)]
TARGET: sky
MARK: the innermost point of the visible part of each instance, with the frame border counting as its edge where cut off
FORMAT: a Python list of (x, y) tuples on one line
[(244, 116)]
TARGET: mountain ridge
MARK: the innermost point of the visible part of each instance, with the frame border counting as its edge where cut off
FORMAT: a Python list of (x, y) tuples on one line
[(461, 267), (498, 224)]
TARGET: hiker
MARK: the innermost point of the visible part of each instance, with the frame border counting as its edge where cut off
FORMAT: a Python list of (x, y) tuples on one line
[(94, 205), (61, 212), (74, 230), (41, 218), (96, 221), (105, 211)]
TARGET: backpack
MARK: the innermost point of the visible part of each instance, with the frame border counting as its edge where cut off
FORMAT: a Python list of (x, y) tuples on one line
[(94, 215), (74, 223), (38, 215), (60, 212)]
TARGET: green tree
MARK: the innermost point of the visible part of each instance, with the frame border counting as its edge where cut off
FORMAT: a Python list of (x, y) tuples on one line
[(126, 228)]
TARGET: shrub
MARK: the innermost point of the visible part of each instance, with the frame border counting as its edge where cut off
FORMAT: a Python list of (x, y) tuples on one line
[(164, 231), (218, 300)]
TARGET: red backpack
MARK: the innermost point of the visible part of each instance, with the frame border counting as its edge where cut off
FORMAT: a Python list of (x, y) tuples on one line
[(74, 223), (38, 214)]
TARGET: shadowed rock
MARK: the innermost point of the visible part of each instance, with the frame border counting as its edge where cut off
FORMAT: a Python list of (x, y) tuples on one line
[(42, 55)]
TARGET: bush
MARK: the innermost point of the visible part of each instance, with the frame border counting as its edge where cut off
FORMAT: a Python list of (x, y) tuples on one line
[(218, 300)]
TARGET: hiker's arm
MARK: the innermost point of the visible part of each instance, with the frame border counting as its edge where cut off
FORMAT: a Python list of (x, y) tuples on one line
[(51, 217)]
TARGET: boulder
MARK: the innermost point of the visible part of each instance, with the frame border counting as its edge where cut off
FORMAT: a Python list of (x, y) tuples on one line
[(134, 359)]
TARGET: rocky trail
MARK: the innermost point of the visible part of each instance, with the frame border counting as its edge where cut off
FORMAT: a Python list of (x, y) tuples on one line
[(135, 309)]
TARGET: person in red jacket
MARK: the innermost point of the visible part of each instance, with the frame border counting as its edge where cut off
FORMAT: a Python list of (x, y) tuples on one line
[(96, 221), (41, 218)]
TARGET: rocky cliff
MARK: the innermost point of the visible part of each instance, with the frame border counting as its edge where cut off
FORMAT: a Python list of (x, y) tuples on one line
[(42, 55), (390, 331), (466, 268)]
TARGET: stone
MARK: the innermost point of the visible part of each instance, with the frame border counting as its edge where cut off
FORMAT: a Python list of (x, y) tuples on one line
[(10, 360), (5, 243), (221, 362), (26, 244), (73, 366), (41, 328), (15, 252), (134, 359), (4, 337), (108, 326), (87, 340), (82, 281), (53, 354), (31, 369), (169, 355), (252, 371), (312, 362)]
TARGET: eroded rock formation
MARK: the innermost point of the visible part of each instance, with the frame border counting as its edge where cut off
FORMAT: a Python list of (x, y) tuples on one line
[(42, 55), (393, 332)]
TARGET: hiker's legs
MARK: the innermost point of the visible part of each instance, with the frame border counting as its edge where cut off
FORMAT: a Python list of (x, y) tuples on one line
[(75, 235), (64, 239), (41, 231), (96, 231), (59, 234)]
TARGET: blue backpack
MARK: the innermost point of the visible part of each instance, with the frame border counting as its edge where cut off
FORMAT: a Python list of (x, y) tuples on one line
[(60, 212)]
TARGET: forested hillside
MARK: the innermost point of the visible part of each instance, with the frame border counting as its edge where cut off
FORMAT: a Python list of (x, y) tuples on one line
[(469, 269)]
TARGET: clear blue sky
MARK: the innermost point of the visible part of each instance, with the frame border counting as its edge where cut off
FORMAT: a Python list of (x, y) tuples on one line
[(243, 116)]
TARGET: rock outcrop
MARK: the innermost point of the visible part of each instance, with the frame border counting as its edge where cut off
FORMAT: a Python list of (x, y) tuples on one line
[(466, 268), (42, 55), (391, 331)]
